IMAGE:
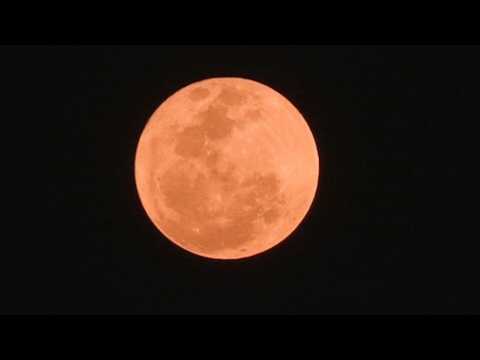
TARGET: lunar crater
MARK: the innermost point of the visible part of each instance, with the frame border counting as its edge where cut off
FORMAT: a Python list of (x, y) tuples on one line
[(198, 93)]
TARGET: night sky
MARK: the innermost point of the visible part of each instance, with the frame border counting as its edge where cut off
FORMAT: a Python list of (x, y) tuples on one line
[(383, 235)]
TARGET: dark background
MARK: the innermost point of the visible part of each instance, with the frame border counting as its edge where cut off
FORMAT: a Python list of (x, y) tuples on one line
[(384, 234)]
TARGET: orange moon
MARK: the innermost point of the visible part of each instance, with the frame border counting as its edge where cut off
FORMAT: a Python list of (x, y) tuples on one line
[(226, 168)]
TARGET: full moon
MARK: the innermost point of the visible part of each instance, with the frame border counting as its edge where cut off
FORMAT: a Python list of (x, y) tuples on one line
[(226, 168)]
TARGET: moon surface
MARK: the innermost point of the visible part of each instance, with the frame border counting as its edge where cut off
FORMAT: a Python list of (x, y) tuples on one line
[(226, 168)]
